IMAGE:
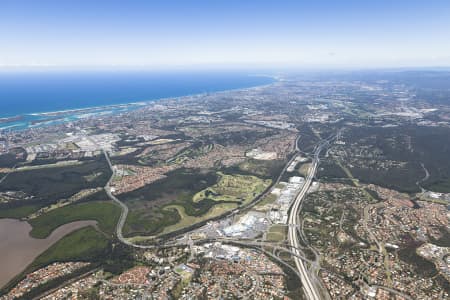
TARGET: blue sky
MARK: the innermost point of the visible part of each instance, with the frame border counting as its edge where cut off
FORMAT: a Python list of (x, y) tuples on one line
[(226, 33)]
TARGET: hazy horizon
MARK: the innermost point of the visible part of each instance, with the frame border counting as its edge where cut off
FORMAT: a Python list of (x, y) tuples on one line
[(224, 35)]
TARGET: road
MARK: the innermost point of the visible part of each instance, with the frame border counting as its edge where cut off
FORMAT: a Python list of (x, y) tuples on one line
[(393, 291), (425, 178), (6, 175), (124, 212), (66, 283), (309, 285), (124, 208), (296, 152)]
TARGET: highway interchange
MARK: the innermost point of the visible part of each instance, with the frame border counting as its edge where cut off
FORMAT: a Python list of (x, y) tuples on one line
[(310, 283)]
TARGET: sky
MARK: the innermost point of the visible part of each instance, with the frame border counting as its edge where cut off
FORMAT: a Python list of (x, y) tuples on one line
[(224, 33)]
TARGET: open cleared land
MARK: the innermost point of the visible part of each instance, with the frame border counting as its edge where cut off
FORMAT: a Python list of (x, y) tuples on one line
[(268, 199), (186, 220), (304, 169), (261, 168), (277, 233), (238, 188)]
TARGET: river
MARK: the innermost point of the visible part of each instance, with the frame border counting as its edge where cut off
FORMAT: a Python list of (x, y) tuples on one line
[(18, 249)]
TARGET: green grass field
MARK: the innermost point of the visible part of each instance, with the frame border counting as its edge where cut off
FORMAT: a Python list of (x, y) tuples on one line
[(268, 199), (187, 220), (304, 169), (84, 244), (238, 188), (277, 233), (105, 213), (262, 168)]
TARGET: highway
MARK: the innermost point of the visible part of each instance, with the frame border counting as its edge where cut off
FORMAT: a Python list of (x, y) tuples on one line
[(309, 286), (311, 289)]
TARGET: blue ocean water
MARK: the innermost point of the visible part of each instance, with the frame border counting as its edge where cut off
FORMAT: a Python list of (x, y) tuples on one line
[(34, 92)]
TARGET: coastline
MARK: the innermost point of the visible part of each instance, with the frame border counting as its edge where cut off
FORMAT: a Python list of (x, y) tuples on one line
[(47, 118)]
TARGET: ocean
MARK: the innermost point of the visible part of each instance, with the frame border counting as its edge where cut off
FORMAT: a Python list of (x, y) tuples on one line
[(26, 95)]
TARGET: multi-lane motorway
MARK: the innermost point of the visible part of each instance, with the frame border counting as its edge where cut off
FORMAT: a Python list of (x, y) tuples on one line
[(310, 286)]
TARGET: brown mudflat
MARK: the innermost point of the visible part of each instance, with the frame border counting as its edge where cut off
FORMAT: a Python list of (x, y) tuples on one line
[(18, 249)]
